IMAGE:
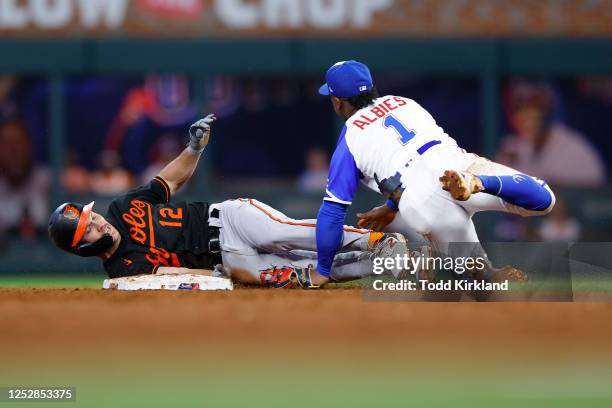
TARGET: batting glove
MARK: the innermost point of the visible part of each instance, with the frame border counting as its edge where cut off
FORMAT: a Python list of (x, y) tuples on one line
[(199, 133)]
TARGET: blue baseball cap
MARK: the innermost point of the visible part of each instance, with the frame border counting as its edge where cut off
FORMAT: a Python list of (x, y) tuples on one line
[(346, 79)]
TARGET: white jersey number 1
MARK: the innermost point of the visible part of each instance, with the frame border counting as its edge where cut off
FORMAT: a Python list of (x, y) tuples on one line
[(405, 135)]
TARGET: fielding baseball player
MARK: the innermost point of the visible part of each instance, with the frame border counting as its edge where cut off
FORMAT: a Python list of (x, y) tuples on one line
[(395, 147), (144, 233)]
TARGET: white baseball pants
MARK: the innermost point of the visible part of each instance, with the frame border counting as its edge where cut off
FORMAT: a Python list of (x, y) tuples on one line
[(255, 237), (432, 212)]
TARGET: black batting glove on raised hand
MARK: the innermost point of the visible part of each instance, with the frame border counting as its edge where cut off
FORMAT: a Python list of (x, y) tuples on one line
[(199, 133)]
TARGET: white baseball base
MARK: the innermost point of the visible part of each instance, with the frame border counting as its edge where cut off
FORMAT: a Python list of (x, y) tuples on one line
[(168, 282)]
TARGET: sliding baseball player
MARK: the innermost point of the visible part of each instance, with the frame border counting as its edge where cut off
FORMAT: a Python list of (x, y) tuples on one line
[(143, 232)]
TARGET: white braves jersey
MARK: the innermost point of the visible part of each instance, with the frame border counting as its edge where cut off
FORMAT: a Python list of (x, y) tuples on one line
[(378, 142)]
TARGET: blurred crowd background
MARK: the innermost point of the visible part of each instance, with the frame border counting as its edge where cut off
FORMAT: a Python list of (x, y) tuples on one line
[(95, 133)]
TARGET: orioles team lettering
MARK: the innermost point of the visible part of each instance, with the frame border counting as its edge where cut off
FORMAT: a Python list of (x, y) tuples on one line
[(159, 256), (379, 111), (135, 217)]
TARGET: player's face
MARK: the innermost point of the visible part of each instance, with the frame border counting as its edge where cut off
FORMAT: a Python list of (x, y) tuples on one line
[(98, 226)]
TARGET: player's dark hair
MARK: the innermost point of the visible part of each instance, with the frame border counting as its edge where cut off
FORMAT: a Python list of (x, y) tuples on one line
[(363, 99)]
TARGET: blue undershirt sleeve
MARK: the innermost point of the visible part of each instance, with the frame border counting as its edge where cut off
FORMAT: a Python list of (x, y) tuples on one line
[(330, 232), (342, 184), (343, 177)]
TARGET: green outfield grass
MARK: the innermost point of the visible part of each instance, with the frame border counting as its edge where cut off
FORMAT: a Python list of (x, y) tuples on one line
[(484, 385), (51, 282)]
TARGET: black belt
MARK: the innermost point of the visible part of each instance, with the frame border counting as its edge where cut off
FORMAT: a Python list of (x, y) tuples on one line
[(214, 244)]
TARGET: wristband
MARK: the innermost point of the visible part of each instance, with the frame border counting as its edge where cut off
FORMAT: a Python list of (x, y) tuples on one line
[(194, 151), (391, 204)]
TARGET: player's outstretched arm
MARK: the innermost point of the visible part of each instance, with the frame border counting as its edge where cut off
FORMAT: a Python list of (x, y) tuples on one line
[(178, 171)]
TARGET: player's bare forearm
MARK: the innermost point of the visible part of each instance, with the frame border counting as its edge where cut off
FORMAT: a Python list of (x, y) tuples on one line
[(178, 171)]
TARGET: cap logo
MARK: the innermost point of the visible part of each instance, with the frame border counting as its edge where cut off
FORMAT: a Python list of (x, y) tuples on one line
[(363, 88), (71, 212)]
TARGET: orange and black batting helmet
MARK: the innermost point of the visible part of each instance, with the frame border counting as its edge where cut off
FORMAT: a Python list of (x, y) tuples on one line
[(67, 227)]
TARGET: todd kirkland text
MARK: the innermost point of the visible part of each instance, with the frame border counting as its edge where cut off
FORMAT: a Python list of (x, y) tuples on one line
[(441, 285)]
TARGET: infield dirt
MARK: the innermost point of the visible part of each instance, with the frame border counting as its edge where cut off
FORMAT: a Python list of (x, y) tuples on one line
[(279, 348), (338, 319)]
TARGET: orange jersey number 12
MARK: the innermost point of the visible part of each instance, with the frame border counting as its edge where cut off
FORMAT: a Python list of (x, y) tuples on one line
[(172, 214)]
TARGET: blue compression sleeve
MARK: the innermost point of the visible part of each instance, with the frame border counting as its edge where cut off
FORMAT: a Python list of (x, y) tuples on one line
[(518, 189), (330, 232)]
